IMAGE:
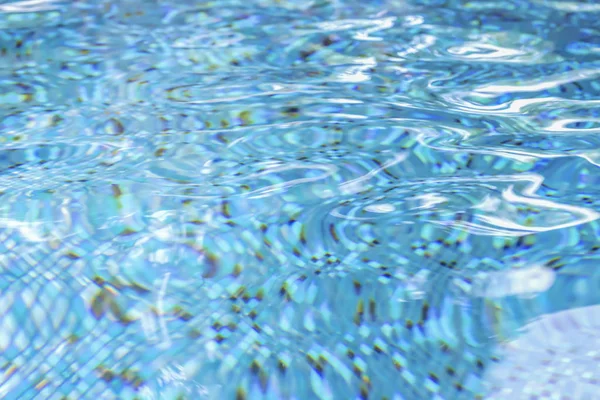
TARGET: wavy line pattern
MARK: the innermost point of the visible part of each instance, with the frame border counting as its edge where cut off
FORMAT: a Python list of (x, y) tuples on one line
[(325, 199)]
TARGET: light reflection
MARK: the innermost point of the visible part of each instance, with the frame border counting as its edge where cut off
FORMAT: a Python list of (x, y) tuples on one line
[(538, 84), (517, 281), (380, 208), (357, 185), (27, 6), (495, 224), (570, 6), (480, 51), (380, 25), (358, 73)]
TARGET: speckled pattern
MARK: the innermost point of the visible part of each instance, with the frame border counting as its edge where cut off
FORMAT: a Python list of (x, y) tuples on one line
[(323, 199)]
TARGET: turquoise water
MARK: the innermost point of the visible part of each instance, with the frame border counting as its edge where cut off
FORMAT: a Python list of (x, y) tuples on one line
[(298, 200)]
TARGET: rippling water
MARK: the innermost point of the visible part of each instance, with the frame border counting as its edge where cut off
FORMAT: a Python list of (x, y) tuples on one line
[(324, 199)]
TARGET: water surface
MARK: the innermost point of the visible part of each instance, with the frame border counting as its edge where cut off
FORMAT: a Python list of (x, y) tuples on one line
[(269, 199)]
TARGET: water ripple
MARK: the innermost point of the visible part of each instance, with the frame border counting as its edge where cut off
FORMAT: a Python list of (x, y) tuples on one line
[(304, 199)]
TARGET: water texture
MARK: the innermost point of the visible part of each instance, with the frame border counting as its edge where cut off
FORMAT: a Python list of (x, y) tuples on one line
[(320, 199)]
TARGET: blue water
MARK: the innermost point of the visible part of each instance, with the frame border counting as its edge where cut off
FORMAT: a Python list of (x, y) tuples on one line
[(320, 199)]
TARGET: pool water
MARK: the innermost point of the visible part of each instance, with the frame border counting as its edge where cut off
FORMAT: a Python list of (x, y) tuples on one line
[(321, 199)]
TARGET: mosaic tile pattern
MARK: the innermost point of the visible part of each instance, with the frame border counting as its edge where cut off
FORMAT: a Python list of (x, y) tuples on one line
[(325, 199)]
